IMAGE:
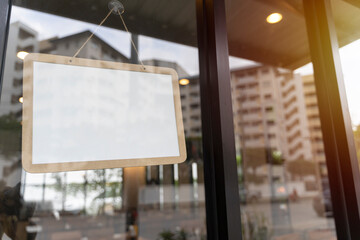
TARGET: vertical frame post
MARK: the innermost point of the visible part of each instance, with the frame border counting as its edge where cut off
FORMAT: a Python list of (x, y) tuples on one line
[(220, 169), (5, 9), (336, 126)]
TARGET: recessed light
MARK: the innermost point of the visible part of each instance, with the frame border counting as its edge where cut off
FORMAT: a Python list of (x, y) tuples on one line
[(22, 54), (274, 18), (184, 81)]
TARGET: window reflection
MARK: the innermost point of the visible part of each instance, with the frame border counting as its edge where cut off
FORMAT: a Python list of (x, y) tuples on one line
[(283, 180), (280, 153), (134, 203)]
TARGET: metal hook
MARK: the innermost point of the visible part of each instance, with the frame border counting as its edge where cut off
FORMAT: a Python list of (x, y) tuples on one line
[(116, 7)]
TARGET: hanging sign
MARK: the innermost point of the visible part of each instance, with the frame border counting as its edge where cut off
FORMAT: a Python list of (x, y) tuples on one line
[(81, 114)]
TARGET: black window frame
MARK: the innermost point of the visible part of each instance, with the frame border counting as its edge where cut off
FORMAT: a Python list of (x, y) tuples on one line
[(221, 185)]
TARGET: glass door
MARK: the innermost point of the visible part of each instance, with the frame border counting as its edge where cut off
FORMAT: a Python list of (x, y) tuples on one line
[(154, 202)]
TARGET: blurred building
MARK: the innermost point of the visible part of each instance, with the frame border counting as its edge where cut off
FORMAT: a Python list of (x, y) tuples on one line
[(270, 122), (312, 114), (96, 48), (269, 111), (190, 98), (21, 38), (275, 118), (190, 103), (163, 63), (191, 109)]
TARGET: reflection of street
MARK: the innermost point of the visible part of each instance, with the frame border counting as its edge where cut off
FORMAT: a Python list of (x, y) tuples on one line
[(305, 223), (303, 218), (106, 218), (188, 214), (191, 220), (151, 223)]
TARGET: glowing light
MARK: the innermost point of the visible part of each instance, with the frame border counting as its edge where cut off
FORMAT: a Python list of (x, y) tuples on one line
[(274, 18), (281, 190), (184, 81), (22, 54), (21, 99)]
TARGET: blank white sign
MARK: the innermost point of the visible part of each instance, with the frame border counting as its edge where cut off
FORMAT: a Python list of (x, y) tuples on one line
[(83, 114)]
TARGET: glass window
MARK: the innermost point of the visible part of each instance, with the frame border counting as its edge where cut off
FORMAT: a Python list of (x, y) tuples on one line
[(347, 30), (131, 203), (283, 182)]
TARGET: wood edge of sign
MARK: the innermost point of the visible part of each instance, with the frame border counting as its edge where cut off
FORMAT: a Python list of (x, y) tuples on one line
[(49, 58), (105, 164), (27, 117), (98, 164)]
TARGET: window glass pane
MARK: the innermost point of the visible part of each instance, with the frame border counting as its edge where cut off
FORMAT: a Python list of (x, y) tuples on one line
[(283, 180), (131, 203), (347, 29)]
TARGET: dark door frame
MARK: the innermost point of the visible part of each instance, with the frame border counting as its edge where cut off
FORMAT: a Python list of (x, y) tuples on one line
[(5, 10), (341, 159), (220, 168), (221, 186)]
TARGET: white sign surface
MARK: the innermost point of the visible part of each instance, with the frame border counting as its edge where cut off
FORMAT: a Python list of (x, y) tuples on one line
[(84, 114)]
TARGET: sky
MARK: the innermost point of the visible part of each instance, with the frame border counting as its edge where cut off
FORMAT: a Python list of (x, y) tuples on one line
[(48, 26)]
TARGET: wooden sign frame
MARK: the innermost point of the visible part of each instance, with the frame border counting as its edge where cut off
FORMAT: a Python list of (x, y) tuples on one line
[(27, 123)]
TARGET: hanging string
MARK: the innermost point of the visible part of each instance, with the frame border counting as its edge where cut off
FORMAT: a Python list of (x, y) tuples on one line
[(132, 42), (98, 26)]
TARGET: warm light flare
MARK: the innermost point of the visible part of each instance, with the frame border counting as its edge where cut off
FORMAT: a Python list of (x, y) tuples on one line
[(21, 99), (281, 190), (184, 81), (274, 18), (22, 55)]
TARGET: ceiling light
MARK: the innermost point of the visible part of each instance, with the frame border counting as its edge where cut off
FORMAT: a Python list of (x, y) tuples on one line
[(21, 99), (274, 18), (22, 54), (184, 81)]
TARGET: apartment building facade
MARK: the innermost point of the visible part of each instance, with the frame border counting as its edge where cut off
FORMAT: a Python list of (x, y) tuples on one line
[(96, 48), (21, 38), (268, 107), (313, 116)]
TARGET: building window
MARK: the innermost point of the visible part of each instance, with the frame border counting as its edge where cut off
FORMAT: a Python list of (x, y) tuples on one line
[(28, 49), (195, 130), (24, 34), (270, 123), (241, 86), (256, 123), (271, 136), (195, 117), (194, 106), (268, 96), (292, 88), (253, 85), (18, 66), (269, 109), (17, 82), (15, 98)]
